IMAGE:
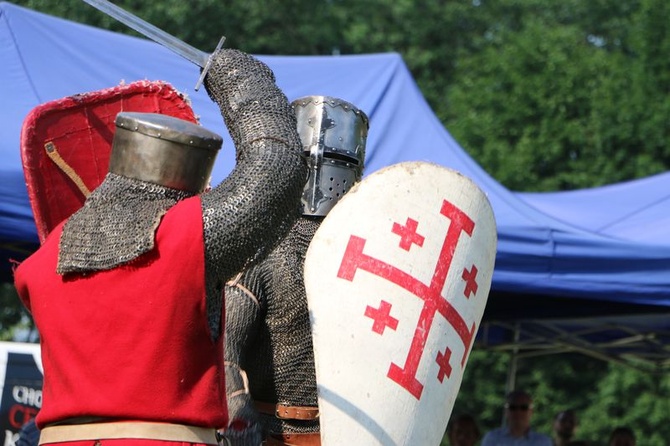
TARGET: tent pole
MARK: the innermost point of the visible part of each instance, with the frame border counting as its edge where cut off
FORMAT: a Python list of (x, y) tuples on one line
[(512, 368), (513, 363), (511, 372)]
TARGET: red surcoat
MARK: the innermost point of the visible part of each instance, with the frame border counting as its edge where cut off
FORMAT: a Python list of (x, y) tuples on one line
[(131, 343)]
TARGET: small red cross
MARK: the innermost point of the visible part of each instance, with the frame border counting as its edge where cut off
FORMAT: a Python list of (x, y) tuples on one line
[(408, 234), (443, 361), (382, 317), (470, 278)]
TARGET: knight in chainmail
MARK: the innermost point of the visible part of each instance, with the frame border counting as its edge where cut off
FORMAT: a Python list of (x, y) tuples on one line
[(271, 380), (127, 292)]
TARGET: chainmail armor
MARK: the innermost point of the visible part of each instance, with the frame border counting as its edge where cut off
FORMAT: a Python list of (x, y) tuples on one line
[(256, 205), (244, 426), (101, 236), (271, 339), (244, 216)]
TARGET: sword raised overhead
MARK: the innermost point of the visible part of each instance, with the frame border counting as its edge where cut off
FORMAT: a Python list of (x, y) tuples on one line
[(200, 58)]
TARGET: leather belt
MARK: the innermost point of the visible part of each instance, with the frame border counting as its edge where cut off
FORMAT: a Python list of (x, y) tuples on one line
[(128, 429), (286, 412)]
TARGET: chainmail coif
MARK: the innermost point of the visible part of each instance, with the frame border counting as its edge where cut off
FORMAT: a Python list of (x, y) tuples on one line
[(268, 338), (103, 234), (243, 217)]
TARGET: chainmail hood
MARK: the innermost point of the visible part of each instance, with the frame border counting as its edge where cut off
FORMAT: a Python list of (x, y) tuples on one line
[(101, 236)]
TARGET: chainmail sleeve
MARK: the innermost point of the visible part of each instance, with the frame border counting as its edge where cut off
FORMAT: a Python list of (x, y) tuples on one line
[(246, 215), (280, 361), (269, 353), (245, 310)]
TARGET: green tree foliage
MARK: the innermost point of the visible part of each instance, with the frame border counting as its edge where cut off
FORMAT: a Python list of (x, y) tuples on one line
[(604, 395), (560, 98), (255, 26), (14, 319), (630, 398)]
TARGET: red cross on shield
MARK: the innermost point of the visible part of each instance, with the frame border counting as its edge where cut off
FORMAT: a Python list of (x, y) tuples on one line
[(397, 279)]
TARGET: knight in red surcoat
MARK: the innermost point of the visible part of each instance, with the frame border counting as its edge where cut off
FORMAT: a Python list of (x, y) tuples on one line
[(127, 292)]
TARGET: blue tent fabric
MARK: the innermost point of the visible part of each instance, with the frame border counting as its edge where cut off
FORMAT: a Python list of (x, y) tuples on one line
[(541, 254), (637, 210)]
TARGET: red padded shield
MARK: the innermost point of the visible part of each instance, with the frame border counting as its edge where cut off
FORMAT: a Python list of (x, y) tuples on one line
[(66, 144)]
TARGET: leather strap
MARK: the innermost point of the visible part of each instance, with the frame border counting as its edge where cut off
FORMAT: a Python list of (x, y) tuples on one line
[(52, 152), (128, 429), (285, 412), (303, 439)]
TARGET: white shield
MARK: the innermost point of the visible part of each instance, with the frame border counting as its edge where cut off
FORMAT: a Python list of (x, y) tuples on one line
[(397, 278)]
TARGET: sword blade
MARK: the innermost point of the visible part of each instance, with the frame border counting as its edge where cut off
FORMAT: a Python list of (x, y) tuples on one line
[(169, 41)]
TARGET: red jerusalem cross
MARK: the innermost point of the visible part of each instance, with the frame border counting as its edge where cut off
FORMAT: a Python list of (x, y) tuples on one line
[(354, 259), (408, 234), (382, 317), (470, 278), (443, 361)]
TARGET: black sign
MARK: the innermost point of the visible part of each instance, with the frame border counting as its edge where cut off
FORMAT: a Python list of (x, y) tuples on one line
[(21, 395)]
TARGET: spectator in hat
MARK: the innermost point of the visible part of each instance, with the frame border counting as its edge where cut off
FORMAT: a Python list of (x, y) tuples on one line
[(517, 430)]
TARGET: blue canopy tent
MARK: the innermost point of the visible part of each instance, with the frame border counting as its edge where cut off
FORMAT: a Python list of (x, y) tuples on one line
[(637, 210), (546, 269)]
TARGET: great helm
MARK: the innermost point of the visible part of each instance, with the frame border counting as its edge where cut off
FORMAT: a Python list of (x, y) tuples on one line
[(163, 150), (333, 134)]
